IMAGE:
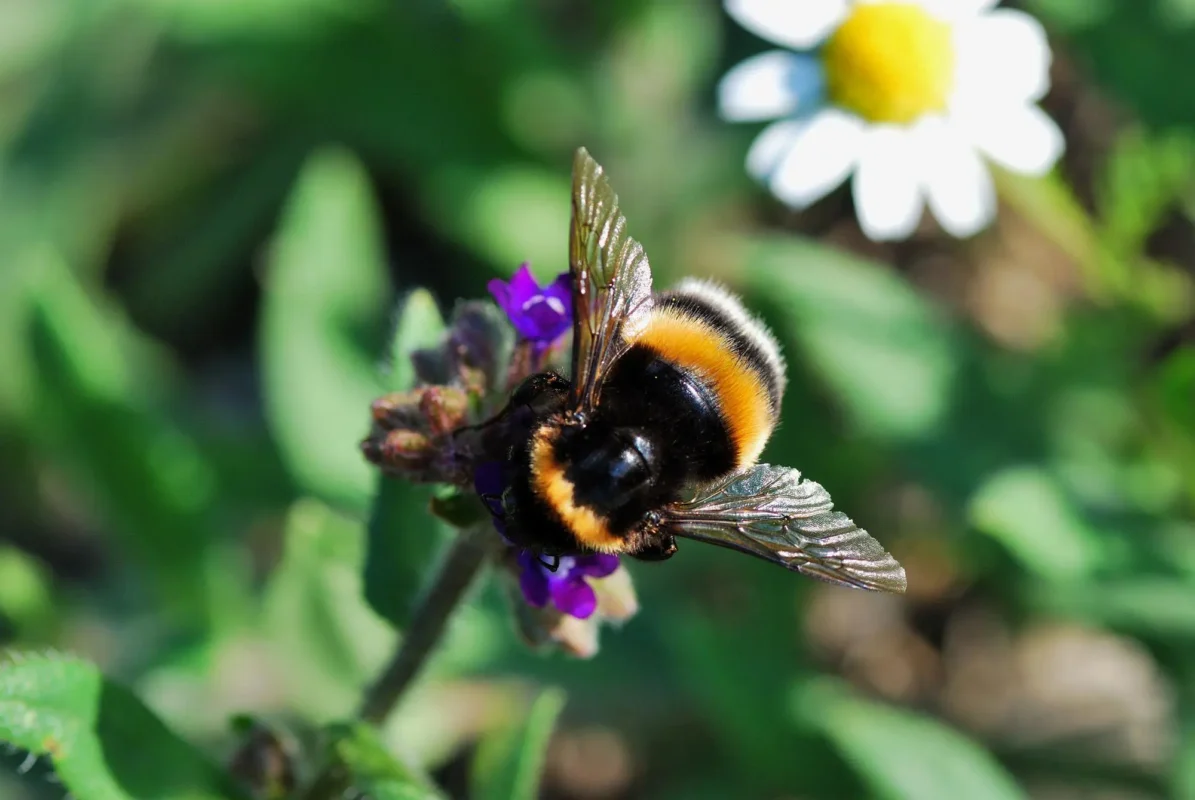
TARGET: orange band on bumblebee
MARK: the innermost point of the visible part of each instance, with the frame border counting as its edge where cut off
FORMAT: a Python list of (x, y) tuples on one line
[(692, 344), (551, 484)]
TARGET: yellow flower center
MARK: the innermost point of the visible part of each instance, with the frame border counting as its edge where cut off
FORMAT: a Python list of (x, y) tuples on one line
[(890, 62)]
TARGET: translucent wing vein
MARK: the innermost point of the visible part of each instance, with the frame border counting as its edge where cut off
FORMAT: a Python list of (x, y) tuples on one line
[(770, 512), (611, 280)]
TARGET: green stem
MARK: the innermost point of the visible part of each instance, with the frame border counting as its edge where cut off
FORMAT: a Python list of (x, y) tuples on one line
[(455, 575)]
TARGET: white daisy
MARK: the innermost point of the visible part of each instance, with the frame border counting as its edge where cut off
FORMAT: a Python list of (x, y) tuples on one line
[(908, 95)]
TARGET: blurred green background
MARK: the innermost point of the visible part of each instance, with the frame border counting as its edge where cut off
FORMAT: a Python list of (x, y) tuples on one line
[(210, 208)]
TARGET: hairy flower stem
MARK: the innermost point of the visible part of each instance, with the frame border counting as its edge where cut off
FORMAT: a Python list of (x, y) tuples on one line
[(463, 563), (456, 574)]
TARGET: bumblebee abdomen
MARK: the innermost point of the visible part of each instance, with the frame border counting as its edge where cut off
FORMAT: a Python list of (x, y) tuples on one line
[(707, 336)]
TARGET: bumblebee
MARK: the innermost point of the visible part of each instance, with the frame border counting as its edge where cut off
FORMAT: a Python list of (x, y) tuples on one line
[(657, 434)]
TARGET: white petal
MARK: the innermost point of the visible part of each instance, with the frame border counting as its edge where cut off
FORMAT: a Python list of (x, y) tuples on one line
[(770, 146), (886, 191), (770, 85), (822, 155), (958, 185), (1023, 139), (799, 24), (1001, 55)]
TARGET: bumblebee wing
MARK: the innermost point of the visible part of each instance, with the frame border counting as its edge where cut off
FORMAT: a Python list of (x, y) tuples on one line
[(611, 280), (768, 511)]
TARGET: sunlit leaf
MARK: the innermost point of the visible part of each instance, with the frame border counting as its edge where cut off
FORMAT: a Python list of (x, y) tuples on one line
[(327, 637), (25, 597), (1029, 513), (418, 324), (508, 216), (103, 743), (900, 754), (509, 762), (323, 317)]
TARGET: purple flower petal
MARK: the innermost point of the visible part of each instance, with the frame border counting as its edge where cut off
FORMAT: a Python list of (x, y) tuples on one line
[(547, 317), (564, 568), (597, 565), (574, 597), (523, 284), (562, 289), (500, 290), (538, 315), (533, 580)]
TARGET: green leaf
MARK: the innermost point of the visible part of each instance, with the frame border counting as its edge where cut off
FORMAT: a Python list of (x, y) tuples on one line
[(419, 325), (508, 215), (1028, 512), (510, 761), (883, 349), (1146, 606), (900, 754), (403, 534), (403, 538), (103, 742), (1176, 384), (323, 321), (1131, 50), (733, 673), (316, 616), (361, 763), (1184, 761), (204, 18), (104, 412), (194, 259), (18, 397), (25, 589), (1144, 177)]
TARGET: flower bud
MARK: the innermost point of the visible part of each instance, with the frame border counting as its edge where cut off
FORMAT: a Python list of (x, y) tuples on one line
[(406, 447), (397, 409), (480, 340), (443, 408), (617, 601), (549, 627)]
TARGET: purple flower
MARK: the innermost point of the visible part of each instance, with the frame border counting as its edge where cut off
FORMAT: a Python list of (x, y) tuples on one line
[(489, 481), (566, 587), (540, 315)]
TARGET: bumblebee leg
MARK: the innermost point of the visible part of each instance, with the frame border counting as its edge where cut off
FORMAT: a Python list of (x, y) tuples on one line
[(657, 548), (553, 565)]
